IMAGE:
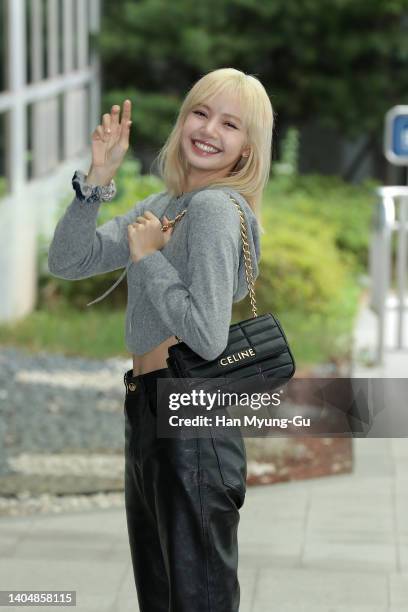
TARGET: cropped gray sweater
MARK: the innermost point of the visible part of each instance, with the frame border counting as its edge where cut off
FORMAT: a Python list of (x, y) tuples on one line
[(187, 288)]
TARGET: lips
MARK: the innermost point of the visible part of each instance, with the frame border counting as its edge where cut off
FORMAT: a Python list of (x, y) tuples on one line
[(194, 140)]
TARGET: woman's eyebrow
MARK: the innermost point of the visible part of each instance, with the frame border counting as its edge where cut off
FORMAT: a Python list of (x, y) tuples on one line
[(225, 114)]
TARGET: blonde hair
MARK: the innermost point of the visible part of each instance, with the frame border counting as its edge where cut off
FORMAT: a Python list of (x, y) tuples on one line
[(250, 174)]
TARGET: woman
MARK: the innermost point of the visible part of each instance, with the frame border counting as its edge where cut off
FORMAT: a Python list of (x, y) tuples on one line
[(182, 496)]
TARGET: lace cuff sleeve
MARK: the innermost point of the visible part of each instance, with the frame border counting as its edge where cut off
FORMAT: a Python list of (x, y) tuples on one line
[(92, 193)]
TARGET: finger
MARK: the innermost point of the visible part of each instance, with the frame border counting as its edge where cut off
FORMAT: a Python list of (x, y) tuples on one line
[(115, 110), (126, 111), (106, 122), (166, 221), (96, 134), (149, 215), (102, 133), (141, 220), (126, 123), (125, 134)]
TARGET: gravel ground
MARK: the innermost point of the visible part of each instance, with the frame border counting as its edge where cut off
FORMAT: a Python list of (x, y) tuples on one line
[(61, 431), (59, 403)]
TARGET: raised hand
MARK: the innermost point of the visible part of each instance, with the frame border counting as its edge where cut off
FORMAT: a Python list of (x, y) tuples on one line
[(110, 142)]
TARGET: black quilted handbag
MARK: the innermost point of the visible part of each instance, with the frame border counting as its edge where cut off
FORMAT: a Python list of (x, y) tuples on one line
[(257, 353)]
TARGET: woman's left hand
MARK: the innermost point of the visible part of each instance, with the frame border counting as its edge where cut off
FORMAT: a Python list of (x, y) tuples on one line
[(145, 235)]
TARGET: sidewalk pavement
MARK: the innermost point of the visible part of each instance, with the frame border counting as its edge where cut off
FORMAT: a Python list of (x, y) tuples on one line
[(329, 544)]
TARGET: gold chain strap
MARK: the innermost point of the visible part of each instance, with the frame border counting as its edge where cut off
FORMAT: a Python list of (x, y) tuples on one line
[(245, 247), (247, 259), (165, 227)]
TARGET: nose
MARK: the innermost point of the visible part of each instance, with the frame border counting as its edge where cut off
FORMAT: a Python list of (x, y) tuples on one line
[(210, 128)]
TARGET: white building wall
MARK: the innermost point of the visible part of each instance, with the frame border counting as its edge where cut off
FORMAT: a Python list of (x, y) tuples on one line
[(69, 95)]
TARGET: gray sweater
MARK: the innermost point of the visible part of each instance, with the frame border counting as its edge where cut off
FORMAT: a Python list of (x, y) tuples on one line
[(187, 288)]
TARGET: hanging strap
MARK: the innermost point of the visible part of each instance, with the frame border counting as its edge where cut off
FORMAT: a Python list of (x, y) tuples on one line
[(121, 277)]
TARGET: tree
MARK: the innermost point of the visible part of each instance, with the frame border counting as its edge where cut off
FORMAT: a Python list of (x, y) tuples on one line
[(344, 61)]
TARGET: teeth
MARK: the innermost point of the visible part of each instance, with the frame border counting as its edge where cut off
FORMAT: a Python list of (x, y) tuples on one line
[(205, 147)]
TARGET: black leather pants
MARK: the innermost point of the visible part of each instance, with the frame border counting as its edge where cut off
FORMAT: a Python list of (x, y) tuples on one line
[(182, 498)]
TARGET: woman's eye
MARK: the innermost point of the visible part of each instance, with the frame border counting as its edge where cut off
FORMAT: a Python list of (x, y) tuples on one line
[(199, 112)]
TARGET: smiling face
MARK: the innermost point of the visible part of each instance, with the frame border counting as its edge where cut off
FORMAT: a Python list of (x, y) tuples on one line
[(213, 139)]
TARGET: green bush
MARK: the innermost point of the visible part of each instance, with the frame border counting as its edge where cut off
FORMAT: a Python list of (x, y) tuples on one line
[(347, 208), (299, 272)]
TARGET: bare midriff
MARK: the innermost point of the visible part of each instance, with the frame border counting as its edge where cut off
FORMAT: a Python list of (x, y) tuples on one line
[(154, 359)]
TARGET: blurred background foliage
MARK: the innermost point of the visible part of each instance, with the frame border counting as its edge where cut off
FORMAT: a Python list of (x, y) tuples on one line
[(343, 61)]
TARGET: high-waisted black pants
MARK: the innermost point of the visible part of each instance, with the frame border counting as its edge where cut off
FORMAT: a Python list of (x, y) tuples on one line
[(182, 498)]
